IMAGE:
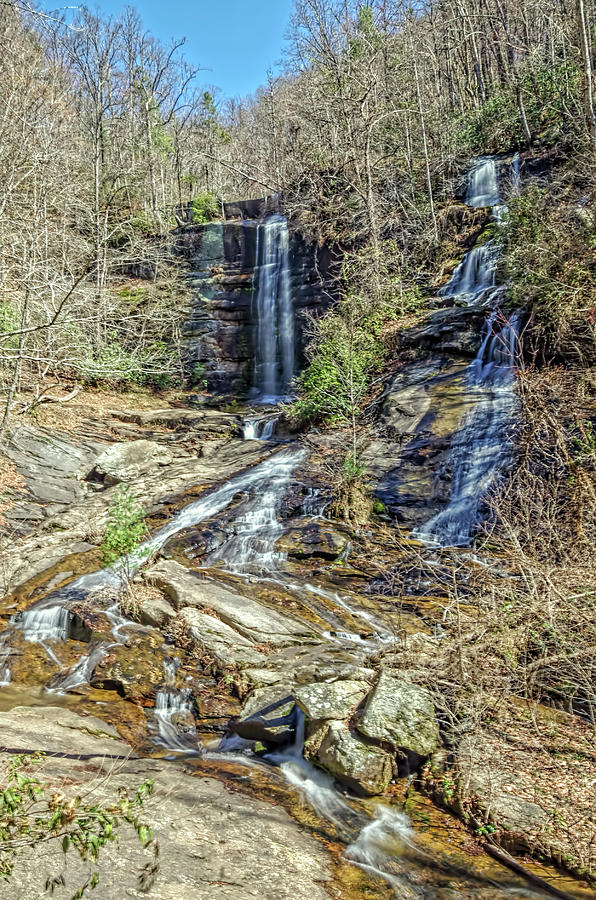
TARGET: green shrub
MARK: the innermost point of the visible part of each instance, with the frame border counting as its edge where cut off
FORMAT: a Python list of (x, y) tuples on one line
[(33, 814), (125, 527), (205, 208)]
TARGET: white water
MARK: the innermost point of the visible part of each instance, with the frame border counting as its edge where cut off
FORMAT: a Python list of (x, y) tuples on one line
[(483, 186), (250, 548), (274, 357), (45, 623), (4, 661), (253, 544), (475, 279), (172, 708), (481, 447), (259, 429)]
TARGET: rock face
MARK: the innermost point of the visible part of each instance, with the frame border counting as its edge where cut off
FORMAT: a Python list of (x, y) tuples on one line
[(128, 460), (214, 844), (220, 331), (214, 637), (363, 767), (400, 714)]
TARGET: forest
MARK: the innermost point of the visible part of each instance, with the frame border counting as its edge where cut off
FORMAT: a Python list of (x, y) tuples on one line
[(298, 420)]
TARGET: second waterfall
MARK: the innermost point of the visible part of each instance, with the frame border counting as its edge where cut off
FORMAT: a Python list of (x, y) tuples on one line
[(273, 311)]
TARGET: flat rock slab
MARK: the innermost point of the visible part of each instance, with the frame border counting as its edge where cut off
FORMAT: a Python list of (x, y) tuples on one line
[(258, 623), (400, 714), (128, 460), (214, 844)]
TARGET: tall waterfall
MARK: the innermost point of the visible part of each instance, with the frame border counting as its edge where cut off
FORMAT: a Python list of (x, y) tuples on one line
[(274, 345), (481, 447)]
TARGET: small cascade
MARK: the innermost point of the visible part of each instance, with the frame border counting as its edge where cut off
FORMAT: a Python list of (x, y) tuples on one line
[(81, 673), (375, 845), (173, 713), (44, 623), (475, 279), (259, 429), (481, 447), (314, 504), (274, 345), (251, 545), (5, 649), (483, 185)]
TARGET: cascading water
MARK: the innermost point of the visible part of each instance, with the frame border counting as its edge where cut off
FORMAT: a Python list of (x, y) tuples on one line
[(251, 545), (49, 619), (274, 313), (481, 447), (259, 429), (483, 185)]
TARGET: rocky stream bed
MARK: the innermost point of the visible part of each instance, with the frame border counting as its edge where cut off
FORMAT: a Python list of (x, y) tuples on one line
[(254, 673)]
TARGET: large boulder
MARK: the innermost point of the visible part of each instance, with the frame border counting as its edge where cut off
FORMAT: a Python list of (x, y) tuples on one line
[(156, 611), (400, 714), (128, 460), (364, 768), (337, 700), (311, 539), (218, 640)]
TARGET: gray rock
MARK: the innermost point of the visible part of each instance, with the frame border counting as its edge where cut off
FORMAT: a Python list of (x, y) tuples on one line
[(400, 714), (128, 460), (215, 844), (227, 647), (255, 622), (156, 611), (363, 767), (330, 701)]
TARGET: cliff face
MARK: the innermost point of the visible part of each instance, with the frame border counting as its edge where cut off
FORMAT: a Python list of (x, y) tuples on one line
[(220, 332)]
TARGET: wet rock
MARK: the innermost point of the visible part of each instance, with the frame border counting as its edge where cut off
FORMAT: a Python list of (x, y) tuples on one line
[(128, 460), (364, 768), (133, 669), (226, 646), (156, 611), (312, 539), (330, 701), (400, 714), (456, 329), (257, 623)]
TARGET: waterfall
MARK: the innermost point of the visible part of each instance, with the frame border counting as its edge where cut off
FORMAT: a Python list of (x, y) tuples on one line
[(483, 188), (45, 623), (481, 447), (475, 279), (251, 544), (274, 345), (259, 429)]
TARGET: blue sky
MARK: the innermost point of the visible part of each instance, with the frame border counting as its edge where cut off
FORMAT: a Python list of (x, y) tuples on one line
[(236, 40)]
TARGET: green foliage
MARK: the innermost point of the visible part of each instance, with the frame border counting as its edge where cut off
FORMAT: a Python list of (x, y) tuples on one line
[(31, 816), (197, 376), (205, 208), (9, 321), (344, 356), (125, 528)]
